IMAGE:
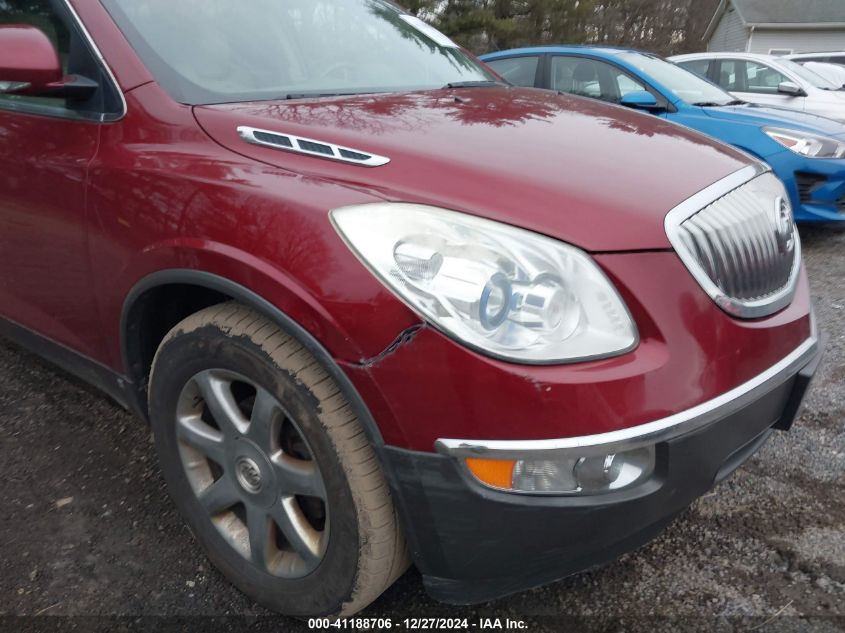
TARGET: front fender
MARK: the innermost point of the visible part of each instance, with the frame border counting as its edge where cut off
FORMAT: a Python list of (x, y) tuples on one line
[(243, 276)]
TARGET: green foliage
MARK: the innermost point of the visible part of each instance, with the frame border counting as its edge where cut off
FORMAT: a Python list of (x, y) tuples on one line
[(663, 26), (420, 7)]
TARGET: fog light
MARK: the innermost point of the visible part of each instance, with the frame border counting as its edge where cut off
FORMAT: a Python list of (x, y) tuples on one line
[(572, 475)]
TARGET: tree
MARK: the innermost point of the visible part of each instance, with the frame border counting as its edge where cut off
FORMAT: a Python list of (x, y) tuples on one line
[(662, 26), (420, 7)]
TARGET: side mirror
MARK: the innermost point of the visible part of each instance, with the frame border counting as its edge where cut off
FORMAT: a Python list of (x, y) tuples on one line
[(30, 65), (791, 89), (641, 100)]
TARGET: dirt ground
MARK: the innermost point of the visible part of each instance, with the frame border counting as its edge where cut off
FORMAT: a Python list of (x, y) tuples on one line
[(88, 530)]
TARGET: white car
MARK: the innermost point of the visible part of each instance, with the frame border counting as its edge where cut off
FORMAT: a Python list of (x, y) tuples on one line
[(769, 80), (830, 57), (831, 72)]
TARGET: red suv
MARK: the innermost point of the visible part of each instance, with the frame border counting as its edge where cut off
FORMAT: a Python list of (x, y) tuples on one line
[(378, 306)]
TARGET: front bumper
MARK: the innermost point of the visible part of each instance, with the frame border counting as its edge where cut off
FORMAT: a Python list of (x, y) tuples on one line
[(474, 544), (816, 186)]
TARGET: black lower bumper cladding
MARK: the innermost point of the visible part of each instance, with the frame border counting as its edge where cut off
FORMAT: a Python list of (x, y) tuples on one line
[(473, 544)]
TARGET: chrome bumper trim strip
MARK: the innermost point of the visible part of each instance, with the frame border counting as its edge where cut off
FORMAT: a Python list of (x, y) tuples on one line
[(653, 432)]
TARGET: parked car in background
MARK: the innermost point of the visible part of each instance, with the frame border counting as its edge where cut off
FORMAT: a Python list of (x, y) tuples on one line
[(832, 57), (806, 152), (834, 73), (769, 80), (377, 304)]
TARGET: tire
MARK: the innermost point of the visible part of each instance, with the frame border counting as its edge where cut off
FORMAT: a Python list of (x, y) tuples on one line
[(270, 467)]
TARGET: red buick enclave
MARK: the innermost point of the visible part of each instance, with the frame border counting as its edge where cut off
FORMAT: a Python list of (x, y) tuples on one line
[(379, 307)]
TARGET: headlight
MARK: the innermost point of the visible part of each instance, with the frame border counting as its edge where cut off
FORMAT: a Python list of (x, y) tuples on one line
[(806, 144), (505, 291), (573, 475)]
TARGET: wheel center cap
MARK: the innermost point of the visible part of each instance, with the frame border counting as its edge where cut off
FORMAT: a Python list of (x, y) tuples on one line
[(248, 474)]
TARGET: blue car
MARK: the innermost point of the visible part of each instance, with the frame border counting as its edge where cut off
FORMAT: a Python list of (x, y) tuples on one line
[(806, 152)]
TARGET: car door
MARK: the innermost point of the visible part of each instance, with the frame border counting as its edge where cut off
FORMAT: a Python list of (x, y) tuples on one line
[(46, 145), (756, 82)]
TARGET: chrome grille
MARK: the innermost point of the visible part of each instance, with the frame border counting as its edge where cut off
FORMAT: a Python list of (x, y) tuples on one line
[(740, 243)]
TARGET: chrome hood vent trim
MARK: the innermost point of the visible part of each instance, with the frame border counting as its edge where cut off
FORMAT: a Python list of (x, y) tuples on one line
[(310, 147), (738, 239)]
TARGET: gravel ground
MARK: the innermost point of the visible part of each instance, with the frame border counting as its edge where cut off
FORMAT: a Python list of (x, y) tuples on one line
[(88, 528)]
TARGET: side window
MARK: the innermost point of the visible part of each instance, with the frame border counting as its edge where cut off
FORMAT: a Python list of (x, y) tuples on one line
[(626, 84), (732, 75), (576, 75), (51, 18), (520, 71), (698, 66), (591, 78), (763, 79), (837, 59)]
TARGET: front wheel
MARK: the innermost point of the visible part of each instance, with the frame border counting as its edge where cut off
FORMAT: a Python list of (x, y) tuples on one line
[(270, 466)]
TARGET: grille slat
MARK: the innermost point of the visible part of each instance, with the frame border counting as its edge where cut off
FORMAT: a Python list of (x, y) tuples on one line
[(738, 275), (761, 238), (754, 252), (742, 247)]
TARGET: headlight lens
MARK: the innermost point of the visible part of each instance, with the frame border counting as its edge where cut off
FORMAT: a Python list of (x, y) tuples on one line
[(806, 144), (505, 291)]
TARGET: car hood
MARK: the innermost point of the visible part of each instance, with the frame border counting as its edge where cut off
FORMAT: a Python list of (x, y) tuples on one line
[(760, 116), (592, 174), (829, 96)]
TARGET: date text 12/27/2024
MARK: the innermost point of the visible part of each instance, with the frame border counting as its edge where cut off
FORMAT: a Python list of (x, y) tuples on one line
[(414, 624)]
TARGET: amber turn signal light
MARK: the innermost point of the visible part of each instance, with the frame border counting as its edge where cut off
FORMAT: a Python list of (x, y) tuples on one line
[(493, 472)]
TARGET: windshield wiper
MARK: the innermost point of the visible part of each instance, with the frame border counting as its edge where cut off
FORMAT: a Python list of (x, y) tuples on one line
[(473, 84), (317, 95), (714, 104)]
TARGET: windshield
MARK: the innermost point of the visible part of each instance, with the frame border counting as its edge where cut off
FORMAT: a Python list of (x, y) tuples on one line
[(808, 75), (217, 51), (682, 83), (832, 72)]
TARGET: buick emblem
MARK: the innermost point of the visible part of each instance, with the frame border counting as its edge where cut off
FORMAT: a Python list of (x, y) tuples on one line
[(249, 475), (784, 235)]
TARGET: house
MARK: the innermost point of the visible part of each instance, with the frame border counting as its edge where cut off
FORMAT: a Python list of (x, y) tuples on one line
[(777, 26)]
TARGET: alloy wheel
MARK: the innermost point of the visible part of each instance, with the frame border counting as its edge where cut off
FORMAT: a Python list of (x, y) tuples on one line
[(251, 469)]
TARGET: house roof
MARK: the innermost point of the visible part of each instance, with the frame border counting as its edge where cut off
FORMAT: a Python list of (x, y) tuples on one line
[(783, 14)]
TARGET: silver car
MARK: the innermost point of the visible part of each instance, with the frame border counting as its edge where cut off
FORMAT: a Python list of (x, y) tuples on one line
[(831, 72), (769, 80), (829, 57)]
